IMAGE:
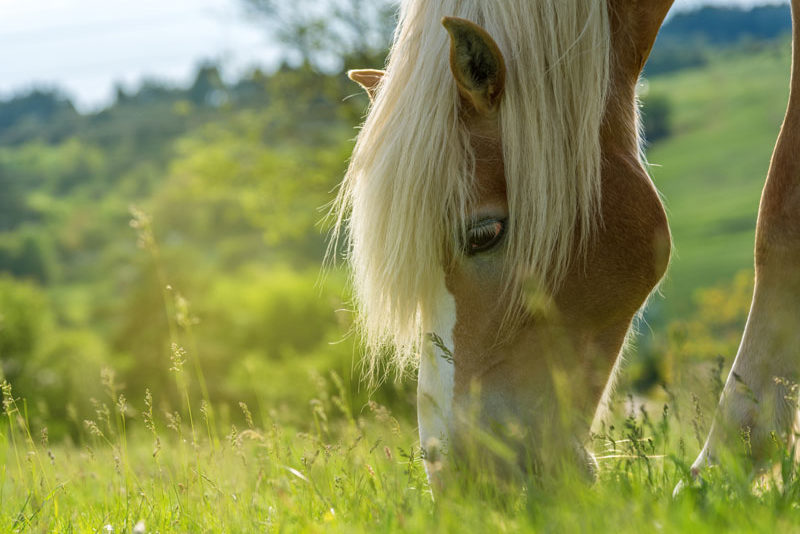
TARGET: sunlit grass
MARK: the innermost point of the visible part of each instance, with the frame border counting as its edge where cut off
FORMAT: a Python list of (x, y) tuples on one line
[(348, 469)]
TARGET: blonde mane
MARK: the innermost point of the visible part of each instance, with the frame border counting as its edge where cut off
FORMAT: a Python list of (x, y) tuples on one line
[(403, 201)]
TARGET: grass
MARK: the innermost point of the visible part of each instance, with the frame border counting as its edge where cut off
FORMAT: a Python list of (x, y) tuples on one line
[(350, 469)]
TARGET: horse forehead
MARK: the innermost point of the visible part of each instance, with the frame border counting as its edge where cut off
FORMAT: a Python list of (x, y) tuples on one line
[(487, 147)]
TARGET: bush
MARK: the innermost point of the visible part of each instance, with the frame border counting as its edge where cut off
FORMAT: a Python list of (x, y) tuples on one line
[(656, 117)]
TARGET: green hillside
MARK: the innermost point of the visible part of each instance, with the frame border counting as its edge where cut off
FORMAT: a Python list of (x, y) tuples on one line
[(725, 119)]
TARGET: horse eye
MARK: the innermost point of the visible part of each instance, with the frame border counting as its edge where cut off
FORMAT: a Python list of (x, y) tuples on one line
[(484, 235)]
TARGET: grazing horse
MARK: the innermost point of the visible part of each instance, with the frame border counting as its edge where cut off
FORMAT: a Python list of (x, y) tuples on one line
[(503, 231)]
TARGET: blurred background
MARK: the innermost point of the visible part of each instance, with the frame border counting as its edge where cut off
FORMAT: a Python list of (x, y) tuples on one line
[(165, 167)]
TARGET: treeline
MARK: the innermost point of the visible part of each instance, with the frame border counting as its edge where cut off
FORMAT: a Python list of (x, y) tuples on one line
[(225, 185), (686, 40), (689, 39), (53, 158), (138, 116), (728, 25), (145, 119)]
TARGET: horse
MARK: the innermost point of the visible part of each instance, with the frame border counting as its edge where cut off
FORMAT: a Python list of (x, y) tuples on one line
[(503, 231)]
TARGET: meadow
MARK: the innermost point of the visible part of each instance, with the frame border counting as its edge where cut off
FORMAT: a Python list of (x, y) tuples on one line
[(174, 360), (354, 469)]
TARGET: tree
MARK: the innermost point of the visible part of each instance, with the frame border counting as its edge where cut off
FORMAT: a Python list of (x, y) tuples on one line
[(656, 119), (727, 25), (329, 34), (41, 105), (208, 88)]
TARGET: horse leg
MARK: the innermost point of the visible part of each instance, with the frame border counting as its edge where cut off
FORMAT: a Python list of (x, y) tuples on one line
[(760, 396)]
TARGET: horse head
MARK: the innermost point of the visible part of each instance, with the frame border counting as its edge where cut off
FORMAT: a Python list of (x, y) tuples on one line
[(515, 255)]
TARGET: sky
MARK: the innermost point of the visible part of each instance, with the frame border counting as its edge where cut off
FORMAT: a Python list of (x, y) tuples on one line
[(87, 46)]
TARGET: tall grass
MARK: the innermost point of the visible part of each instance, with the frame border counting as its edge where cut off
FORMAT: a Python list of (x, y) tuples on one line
[(352, 469)]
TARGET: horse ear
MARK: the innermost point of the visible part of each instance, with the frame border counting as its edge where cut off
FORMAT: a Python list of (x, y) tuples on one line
[(368, 79), (477, 64)]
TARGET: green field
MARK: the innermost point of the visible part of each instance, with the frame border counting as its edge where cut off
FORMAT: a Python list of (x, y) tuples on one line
[(725, 120), (225, 410)]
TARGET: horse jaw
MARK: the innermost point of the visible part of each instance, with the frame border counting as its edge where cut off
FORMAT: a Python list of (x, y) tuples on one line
[(435, 384)]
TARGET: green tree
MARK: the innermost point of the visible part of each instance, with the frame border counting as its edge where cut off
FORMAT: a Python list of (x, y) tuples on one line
[(656, 117), (208, 88)]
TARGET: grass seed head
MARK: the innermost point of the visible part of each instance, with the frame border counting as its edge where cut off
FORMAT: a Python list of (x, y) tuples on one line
[(177, 357)]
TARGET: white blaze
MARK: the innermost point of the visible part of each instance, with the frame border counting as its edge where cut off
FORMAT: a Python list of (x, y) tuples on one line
[(435, 383)]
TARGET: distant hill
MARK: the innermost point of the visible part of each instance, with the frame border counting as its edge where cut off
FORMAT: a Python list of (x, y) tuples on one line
[(688, 37), (727, 25)]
